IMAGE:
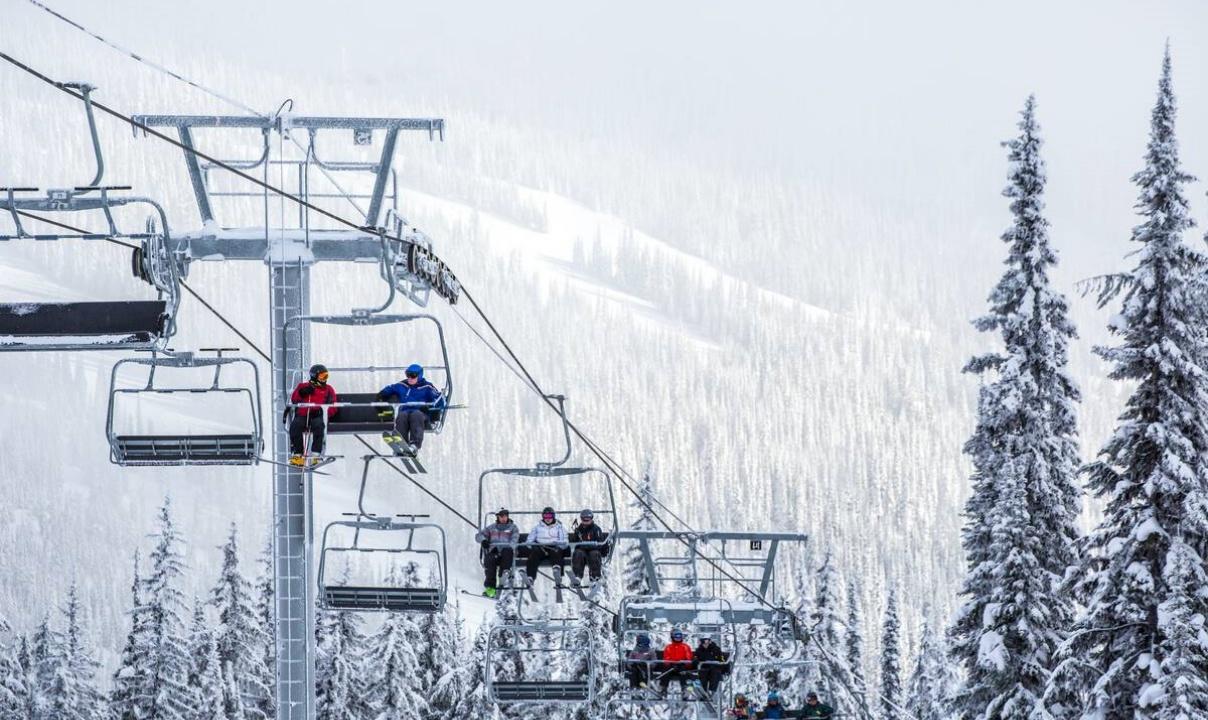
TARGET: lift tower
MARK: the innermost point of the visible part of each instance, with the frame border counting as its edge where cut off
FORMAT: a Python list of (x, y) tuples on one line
[(290, 159)]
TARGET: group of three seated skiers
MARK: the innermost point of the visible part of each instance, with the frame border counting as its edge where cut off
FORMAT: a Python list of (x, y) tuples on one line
[(548, 544)]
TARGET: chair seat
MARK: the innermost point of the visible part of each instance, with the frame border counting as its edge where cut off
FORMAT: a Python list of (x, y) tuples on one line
[(186, 449), (536, 690), (354, 597), (104, 324), (349, 420)]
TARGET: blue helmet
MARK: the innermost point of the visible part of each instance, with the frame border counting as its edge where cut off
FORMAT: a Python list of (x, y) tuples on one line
[(415, 368), (677, 635), (643, 640), (774, 695)]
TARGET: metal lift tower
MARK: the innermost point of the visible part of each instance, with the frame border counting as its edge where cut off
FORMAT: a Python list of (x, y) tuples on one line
[(290, 159)]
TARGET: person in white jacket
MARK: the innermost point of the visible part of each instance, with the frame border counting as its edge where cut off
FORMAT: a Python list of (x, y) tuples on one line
[(547, 542)]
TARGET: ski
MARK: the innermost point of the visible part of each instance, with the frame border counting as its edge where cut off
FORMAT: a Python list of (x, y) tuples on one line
[(305, 468)]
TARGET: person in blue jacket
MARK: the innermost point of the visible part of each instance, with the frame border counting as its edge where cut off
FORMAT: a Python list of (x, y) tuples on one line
[(418, 397)]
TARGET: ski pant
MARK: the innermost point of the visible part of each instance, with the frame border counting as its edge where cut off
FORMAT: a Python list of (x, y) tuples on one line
[(637, 673), (541, 553), (299, 425), (590, 557), (497, 562), (710, 677), (410, 424), (682, 673)]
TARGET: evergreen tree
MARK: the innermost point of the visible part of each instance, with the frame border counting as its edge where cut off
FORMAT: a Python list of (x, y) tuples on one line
[(1183, 684), (1020, 520), (443, 673), (1151, 475), (891, 661), (164, 676), (597, 635), (13, 692), (855, 642), (266, 706), (205, 681), (339, 670), (475, 703), (76, 696), (126, 701), (239, 635), (930, 685), (395, 690), (633, 575)]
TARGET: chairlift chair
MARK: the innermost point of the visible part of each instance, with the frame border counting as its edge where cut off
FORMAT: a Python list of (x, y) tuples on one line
[(132, 449), (98, 325), (378, 595), (508, 640)]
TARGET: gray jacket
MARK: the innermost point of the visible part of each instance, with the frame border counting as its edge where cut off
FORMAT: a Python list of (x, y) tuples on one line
[(499, 533)]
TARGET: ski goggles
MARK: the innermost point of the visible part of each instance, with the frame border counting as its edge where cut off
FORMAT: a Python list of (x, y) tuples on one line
[(322, 377), (411, 374), (547, 516)]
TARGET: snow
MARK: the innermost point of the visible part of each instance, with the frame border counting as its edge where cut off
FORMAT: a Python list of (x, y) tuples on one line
[(991, 653)]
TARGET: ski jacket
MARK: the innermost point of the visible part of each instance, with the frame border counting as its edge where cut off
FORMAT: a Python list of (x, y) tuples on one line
[(499, 533), (587, 533), (711, 654), (641, 656), (772, 712), (740, 713), (677, 652), (548, 534), (821, 710), (421, 392), (319, 394)]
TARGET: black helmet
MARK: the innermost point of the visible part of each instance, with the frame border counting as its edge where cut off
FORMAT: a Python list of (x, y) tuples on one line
[(316, 370), (547, 509), (587, 514)]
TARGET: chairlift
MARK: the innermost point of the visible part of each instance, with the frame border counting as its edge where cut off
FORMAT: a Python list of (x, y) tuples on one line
[(360, 411), (605, 516), (134, 449), (514, 641), (385, 591), (97, 325)]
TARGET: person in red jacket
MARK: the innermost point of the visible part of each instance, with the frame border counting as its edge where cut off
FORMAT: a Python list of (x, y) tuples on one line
[(677, 663), (316, 390)]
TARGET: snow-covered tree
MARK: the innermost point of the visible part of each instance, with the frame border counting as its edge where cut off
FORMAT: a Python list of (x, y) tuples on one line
[(265, 597), (246, 678), (854, 641), (13, 691), (1020, 530), (76, 696), (633, 575), (205, 680), (597, 634), (442, 661), (1183, 684), (891, 661), (475, 704), (1151, 476), (126, 701), (929, 689), (43, 671), (165, 669), (339, 671), (395, 689)]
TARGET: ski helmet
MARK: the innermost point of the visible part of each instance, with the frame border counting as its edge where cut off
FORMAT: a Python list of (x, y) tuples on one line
[(774, 696), (502, 511), (547, 510), (586, 515), (677, 635), (415, 370), (316, 370), (643, 640)]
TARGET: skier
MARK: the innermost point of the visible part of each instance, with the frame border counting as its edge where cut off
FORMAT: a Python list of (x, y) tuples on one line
[(710, 664), (741, 709), (772, 710), (638, 662), (587, 540), (677, 663), (313, 391), (815, 709), (547, 541), (499, 541), (418, 397)]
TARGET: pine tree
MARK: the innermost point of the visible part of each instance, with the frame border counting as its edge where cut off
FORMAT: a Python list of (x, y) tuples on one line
[(165, 672), (126, 701), (339, 672), (1020, 520), (475, 703), (443, 674), (204, 680), (1183, 684), (855, 642), (44, 671), (891, 661), (76, 696), (13, 692), (395, 688), (634, 573), (266, 706), (597, 635), (239, 635), (1151, 475), (932, 682)]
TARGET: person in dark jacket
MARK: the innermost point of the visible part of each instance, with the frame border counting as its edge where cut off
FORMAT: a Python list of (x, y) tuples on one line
[(417, 397), (815, 709), (677, 663), (589, 551), (772, 710), (639, 661), (313, 391), (710, 664), (499, 543)]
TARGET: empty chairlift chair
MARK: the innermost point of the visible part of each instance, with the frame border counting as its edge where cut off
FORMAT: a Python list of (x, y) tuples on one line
[(367, 573), (567, 669), (146, 449)]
